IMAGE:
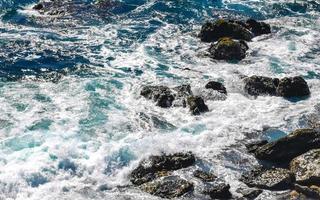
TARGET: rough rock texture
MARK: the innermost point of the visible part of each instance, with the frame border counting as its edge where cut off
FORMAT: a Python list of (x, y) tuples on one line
[(181, 93), (312, 192), (260, 85), (168, 187), (217, 190), (228, 49), (197, 105), (212, 31), (293, 87), (162, 95), (286, 148), (272, 179), (258, 28), (249, 193), (216, 86), (154, 166), (306, 167), (252, 147), (204, 176)]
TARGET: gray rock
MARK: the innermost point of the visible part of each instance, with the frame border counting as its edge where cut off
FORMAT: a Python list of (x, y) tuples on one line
[(312, 192), (293, 87), (204, 176), (249, 193), (216, 86), (306, 167), (162, 95), (260, 85), (217, 190), (197, 105)]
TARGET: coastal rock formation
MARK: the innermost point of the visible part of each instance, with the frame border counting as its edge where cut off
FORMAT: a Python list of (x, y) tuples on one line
[(197, 105), (249, 193), (217, 190), (214, 85), (181, 93), (287, 148), (155, 166), (204, 176), (258, 28), (168, 187), (306, 167), (285, 87), (228, 49), (311, 192), (271, 179), (162, 95), (213, 31)]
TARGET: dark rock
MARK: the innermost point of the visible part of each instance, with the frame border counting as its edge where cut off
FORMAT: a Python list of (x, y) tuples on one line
[(285, 149), (216, 86), (258, 28), (154, 166), (197, 105), (306, 168), (204, 176), (252, 147), (249, 193), (272, 179), (181, 94), (162, 95), (228, 49), (293, 87), (213, 31), (168, 187), (260, 85), (217, 190), (312, 192), (39, 6)]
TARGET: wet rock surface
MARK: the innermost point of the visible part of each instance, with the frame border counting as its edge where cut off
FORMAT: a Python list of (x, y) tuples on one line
[(306, 167), (271, 179), (293, 87), (249, 193), (228, 49), (214, 85), (260, 85), (168, 187), (204, 176), (217, 190), (252, 147), (287, 148), (162, 95), (154, 166), (197, 105), (258, 28), (311, 192)]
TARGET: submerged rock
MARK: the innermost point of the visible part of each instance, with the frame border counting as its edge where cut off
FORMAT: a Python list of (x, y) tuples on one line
[(260, 85), (154, 166), (293, 87), (197, 105), (258, 28), (217, 190), (162, 95), (216, 86), (306, 167), (168, 187), (285, 149), (204, 176), (272, 179), (213, 31), (228, 49)]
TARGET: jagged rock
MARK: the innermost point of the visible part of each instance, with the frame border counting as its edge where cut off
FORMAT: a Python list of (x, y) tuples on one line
[(154, 166), (38, 6), (293, 87), (272, 179), (162, 95), (249, 193), (217, 190), (228, 49), (196, 105), (286, 148), (252, 147), (213, 31), (312, 192), (168, 187), (306, 167), (216, 86), (204, 176), (181, 93), (260, 85), (258, 28)]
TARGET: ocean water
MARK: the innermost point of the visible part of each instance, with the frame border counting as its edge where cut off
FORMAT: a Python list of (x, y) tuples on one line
[(72, 123)]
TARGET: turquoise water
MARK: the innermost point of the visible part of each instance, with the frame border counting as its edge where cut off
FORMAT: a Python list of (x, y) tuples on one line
[(72, 120)]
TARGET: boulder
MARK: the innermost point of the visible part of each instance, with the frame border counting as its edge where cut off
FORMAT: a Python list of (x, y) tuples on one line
[(249, 193), (312, 192), (38, 6), (181, 93), (228, 49), (156, 166), (196, 105), (162, 95), (271, 179), (216, 86), (260, 85), (213, 31), (217, 190), (258, 28), (168, 187), (252, 147), (306, 167), (293, 87), (204, 176), (289, 147)]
